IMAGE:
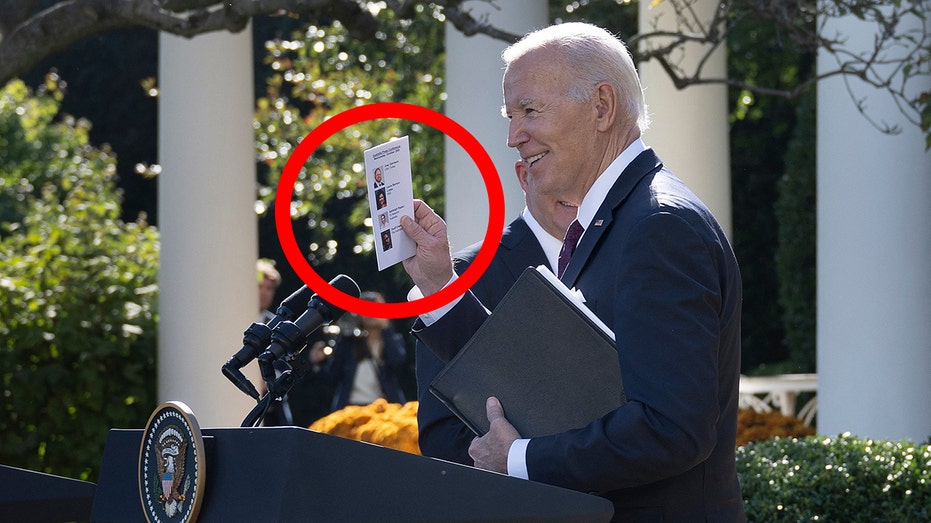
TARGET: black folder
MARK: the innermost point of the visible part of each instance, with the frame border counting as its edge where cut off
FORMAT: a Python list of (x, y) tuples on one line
[(543, 354)]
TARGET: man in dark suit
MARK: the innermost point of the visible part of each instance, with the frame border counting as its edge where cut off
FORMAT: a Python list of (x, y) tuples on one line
[(534, 238), (652, 263)]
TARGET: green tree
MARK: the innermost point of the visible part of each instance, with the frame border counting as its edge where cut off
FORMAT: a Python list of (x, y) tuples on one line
[(796, 212), (78, 299), (322, 71), (31, 30), (761, 127)]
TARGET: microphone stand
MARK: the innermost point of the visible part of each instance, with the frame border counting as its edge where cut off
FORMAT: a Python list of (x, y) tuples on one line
[(276, 390), (288, 339), (288, 342), (286, 335), (280, 386)]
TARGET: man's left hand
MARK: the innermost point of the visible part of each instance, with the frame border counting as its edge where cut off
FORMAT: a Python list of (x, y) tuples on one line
[(490, 451)]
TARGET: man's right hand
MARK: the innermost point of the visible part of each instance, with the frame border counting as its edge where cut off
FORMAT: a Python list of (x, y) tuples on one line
[(431, 267)]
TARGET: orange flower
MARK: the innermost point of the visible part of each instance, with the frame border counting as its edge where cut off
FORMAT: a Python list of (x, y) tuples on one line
[(390, 425), (752, 426)]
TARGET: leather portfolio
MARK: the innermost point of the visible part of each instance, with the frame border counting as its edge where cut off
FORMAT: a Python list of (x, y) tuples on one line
[(543, 354)]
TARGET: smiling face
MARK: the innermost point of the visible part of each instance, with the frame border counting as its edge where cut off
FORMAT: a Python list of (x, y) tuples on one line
[(556, 136)]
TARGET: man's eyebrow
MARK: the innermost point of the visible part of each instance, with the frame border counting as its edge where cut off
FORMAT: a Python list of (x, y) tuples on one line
[(521, 104)]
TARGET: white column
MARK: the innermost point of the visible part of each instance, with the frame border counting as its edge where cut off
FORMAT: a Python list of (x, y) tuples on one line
[(208, 290), (474, 70), (874, 261), (690, 130)]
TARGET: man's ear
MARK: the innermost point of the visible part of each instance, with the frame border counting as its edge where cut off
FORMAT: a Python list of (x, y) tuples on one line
[(520, 169), (606, 106)]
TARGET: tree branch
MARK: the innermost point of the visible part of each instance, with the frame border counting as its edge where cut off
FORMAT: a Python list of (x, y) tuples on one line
[(30, 39), (468, 25), (27, 36), (14, 12)]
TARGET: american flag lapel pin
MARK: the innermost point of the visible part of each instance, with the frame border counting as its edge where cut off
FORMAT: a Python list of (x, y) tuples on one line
[(599, 223)]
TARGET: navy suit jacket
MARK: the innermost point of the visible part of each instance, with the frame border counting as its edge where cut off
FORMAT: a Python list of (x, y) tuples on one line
[(441, 434), (656, 267)]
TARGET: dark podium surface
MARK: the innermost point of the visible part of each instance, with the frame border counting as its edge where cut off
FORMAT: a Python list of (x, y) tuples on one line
[(294, 474), (26, 496)]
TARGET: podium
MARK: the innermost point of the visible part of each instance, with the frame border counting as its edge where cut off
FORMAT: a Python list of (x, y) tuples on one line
[(27, 496), (293, 474)]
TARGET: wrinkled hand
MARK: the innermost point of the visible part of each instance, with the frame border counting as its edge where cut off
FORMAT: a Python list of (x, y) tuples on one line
[(490, 451), (431, 267)]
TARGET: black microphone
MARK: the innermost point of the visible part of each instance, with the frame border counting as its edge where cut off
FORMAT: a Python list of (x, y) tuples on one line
[(258, 336), (289, 336)]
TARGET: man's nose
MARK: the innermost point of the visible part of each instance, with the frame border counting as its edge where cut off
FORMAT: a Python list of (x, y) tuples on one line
[(516, 133)]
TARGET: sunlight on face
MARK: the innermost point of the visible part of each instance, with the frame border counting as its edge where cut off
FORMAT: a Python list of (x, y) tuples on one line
[(554, 134)]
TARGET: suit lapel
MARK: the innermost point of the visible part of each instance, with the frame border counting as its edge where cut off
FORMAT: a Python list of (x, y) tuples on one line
[(645, 163)]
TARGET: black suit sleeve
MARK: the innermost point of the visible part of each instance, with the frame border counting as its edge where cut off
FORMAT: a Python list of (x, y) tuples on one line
[(451, 332), (441, 434)]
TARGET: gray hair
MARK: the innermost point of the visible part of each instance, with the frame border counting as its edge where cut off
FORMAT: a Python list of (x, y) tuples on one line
[(595, 56)]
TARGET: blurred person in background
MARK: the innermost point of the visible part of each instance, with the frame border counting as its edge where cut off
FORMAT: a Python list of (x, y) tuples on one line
[(366, 361)]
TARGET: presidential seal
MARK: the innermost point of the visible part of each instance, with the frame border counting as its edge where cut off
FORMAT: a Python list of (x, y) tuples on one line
[(171, 465)]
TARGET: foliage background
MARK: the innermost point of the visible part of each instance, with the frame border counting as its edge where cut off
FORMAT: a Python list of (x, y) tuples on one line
[(835, 479), (77, 314), (319, 71), (302, 75)]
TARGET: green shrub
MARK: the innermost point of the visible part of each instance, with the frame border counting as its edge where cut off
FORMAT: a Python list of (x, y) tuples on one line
[(843, 479), (77, 294)]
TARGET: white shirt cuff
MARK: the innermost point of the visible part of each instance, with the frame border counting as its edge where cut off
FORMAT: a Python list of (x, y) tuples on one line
[(517, 459), (429, 318)]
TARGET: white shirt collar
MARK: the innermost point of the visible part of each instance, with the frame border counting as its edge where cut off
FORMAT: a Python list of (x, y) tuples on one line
[(550, 244), (599, 190)]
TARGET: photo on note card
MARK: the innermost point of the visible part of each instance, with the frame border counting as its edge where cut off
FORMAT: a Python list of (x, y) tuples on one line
[(386, 240), (381, 199)]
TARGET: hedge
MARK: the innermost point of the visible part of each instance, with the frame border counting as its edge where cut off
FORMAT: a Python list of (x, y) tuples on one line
[(846, 479)]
